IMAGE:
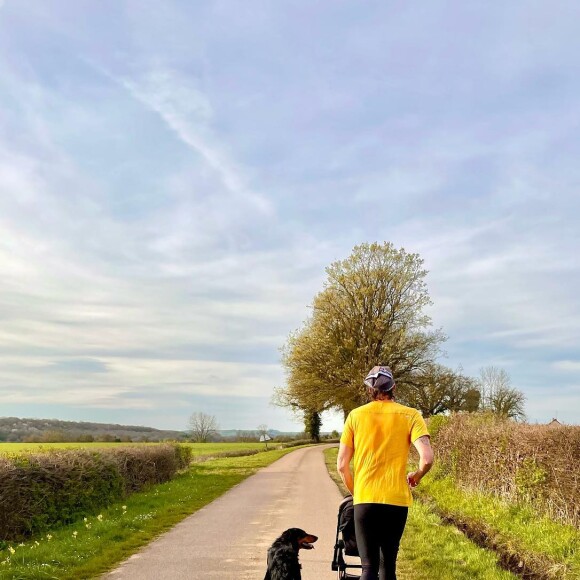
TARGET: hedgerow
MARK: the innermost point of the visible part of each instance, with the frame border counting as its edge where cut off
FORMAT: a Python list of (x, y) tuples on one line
[(519, 463), (41, 490)]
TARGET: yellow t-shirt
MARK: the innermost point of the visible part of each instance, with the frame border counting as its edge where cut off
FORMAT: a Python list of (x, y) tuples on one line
[(381, 434)]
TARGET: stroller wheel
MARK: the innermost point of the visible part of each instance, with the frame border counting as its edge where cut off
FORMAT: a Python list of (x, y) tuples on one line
[(344, 575)]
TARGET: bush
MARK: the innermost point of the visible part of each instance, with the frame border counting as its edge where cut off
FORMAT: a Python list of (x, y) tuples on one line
[(40, 490), (297, 442), (516, 462)]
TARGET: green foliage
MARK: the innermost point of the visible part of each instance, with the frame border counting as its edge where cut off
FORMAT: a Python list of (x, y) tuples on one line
[(38, 491), (312, 424), (531, 480), (546, 548), (436, 389), (435, 424), (370, 311)]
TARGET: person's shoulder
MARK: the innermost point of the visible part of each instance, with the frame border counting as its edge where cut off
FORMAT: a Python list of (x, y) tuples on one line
[(359, 410), (411, 411)]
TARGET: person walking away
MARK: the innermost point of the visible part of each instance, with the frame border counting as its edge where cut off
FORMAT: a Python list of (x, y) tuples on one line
[(379, 435)]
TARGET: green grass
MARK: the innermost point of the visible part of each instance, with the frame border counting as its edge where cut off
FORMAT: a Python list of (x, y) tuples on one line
[(199, 449), (87, 549), (432, 550), (544, 545)]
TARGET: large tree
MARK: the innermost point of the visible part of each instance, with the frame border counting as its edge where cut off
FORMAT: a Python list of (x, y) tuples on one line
[(202, 426), (370, 311)]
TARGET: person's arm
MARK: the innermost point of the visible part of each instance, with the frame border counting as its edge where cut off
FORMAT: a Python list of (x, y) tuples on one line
[(345, 454), (423, 446)]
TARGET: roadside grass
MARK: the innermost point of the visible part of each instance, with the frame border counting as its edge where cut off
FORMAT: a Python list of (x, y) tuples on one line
[(433, 550), (89, 548), (199, 449), (542, 546)]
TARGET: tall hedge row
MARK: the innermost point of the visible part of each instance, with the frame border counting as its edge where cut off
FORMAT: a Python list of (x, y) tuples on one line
[(40, 490), (534, 464)]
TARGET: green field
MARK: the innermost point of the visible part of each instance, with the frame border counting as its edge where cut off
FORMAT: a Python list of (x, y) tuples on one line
[(199, 449)]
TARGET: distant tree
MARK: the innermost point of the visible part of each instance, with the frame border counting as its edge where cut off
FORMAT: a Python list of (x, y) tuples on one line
[(492, 378), (498, 396), (437, 389), (85, 438), (472, 400), (55, 436), (335, 434), (370, 311), (202, 427), (245, 436), (312, 424)]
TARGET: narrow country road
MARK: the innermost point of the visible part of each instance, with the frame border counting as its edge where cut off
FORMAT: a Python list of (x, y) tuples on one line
[(228, 538)]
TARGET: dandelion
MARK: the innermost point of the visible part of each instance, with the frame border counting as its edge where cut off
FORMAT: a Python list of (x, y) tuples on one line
[(100, 517), (37, 543), (124, 507), (21, 545), (85, 520), (11, 549), (75, 534), (88, 526), (48, 537)]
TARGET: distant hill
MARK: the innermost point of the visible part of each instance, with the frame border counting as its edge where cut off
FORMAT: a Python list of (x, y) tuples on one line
[(23, 430)]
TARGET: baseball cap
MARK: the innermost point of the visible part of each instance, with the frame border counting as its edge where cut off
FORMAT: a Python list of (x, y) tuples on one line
[(380, 377)]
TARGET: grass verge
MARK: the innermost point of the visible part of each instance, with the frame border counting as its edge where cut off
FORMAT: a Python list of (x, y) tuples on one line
[(89, 548), (534, 546), (433, 550)]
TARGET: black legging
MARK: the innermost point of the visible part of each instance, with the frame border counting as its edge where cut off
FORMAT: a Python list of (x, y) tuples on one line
[(379, 528)]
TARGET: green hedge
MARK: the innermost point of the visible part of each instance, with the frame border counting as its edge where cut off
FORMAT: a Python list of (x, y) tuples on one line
[(41, 490)]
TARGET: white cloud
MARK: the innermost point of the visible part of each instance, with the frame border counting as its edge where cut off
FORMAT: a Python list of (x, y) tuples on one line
[(567, 366), (187, 112)]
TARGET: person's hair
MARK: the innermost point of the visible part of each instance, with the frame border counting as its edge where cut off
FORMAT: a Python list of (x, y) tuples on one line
[(376, 394), (382, 388)]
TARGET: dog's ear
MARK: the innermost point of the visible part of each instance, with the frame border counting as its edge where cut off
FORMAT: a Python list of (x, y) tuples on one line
[(293, 536)]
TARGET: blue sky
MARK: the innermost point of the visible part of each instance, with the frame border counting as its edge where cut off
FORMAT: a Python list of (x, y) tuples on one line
[(175, 176)]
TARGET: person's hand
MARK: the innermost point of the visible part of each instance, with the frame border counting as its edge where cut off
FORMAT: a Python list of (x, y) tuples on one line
[(414, 478)]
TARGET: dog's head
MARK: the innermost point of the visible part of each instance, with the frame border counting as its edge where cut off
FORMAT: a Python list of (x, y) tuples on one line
[(299, 539)]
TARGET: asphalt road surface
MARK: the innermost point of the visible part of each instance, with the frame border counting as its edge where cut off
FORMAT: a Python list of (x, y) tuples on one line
[(228, 538)]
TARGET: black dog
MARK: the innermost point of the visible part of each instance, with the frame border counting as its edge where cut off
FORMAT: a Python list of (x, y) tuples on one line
[(283, 554)]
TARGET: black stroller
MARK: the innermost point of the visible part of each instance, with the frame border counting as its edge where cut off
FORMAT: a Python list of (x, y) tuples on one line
[(346, 544)]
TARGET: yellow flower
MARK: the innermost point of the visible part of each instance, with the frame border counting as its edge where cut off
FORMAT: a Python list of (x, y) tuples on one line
[(100, 517), (11, 549), (75, 533), (88, 526), (48, 537), (85, 520), (124, 507)]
